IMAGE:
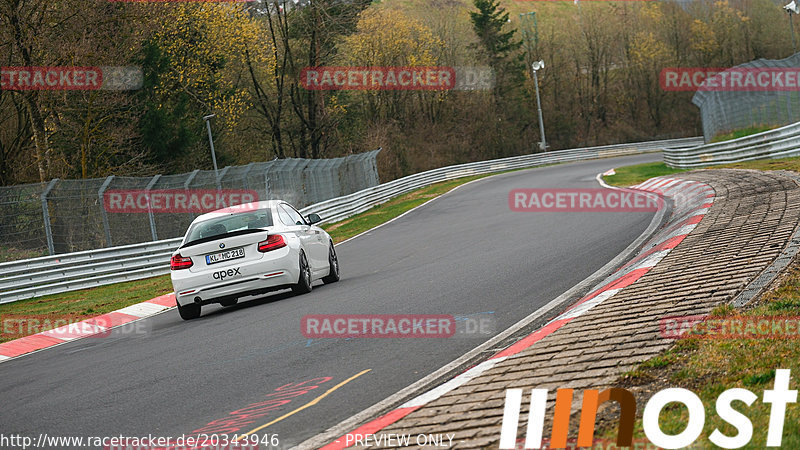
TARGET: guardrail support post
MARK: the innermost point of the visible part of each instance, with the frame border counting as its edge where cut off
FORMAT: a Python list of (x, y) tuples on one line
[(149, 209), (46, 216), (100, 194)]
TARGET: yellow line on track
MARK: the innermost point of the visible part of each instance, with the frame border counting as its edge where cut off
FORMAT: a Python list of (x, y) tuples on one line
[(307, 405)]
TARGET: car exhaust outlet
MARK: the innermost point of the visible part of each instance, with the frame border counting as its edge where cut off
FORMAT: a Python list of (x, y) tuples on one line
[(198, 300)]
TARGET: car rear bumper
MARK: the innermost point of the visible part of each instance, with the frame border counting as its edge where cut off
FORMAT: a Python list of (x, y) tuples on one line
[(256, 277)]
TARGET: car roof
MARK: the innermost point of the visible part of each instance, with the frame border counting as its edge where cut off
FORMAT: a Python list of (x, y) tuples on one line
[(247, 207)]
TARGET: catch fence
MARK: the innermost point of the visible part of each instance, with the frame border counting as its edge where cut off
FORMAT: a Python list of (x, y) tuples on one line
[(65, 216)]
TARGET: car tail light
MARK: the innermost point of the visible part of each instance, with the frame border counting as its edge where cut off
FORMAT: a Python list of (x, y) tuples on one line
[(273, 242), (179, 262)]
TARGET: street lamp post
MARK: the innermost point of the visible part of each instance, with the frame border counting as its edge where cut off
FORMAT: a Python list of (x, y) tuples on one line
[(792, 8), (213, 155), (536, 67)]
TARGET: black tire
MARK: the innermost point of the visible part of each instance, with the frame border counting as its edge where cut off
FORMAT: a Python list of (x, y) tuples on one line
[(303, 285), (189, 312), (333, 262)]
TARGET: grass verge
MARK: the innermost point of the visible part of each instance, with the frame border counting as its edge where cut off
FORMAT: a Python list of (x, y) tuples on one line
[(15, 254), (709, 367), (736, 134), (79, 305), (631, 175), (767, 164), (345, 229)]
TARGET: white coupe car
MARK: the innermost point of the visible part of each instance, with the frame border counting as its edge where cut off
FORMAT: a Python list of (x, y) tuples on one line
[(249, 250)]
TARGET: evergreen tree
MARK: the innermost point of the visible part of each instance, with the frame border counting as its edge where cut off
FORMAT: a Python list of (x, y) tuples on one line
[(499, 45)]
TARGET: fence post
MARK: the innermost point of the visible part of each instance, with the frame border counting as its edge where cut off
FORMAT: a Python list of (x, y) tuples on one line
[(46, 216), (266, 185), (244, 176), (100, 193), (149, 208), (221, 176), (374, 166), (187, 183)]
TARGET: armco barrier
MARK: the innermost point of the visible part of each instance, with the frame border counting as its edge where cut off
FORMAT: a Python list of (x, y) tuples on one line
[(778, 143), (73, 271)]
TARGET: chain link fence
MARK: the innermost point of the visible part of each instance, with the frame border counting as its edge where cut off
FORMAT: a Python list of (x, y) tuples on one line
[(723, 111), (65, 216)]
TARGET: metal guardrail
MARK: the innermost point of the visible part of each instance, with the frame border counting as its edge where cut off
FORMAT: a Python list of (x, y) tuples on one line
[(342, 207), (30, 278), (778, 143), (73, 271)]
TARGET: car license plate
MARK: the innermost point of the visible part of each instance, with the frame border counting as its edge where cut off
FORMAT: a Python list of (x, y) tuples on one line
[(224, 256)]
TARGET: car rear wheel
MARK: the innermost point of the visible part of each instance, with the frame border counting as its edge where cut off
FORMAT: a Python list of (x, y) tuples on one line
[(303, 285), (189, 312), (333, 262)]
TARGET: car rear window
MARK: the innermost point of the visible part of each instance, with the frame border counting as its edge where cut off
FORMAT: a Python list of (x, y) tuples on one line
[(220, 226)]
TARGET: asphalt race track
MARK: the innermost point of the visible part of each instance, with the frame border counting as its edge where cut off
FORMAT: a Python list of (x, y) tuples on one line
[(463, 254)]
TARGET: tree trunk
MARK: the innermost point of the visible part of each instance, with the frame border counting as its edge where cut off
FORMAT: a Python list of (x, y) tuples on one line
[(42, 147)]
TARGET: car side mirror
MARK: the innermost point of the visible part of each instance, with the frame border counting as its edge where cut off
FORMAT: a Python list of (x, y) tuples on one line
[(313, 218)]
